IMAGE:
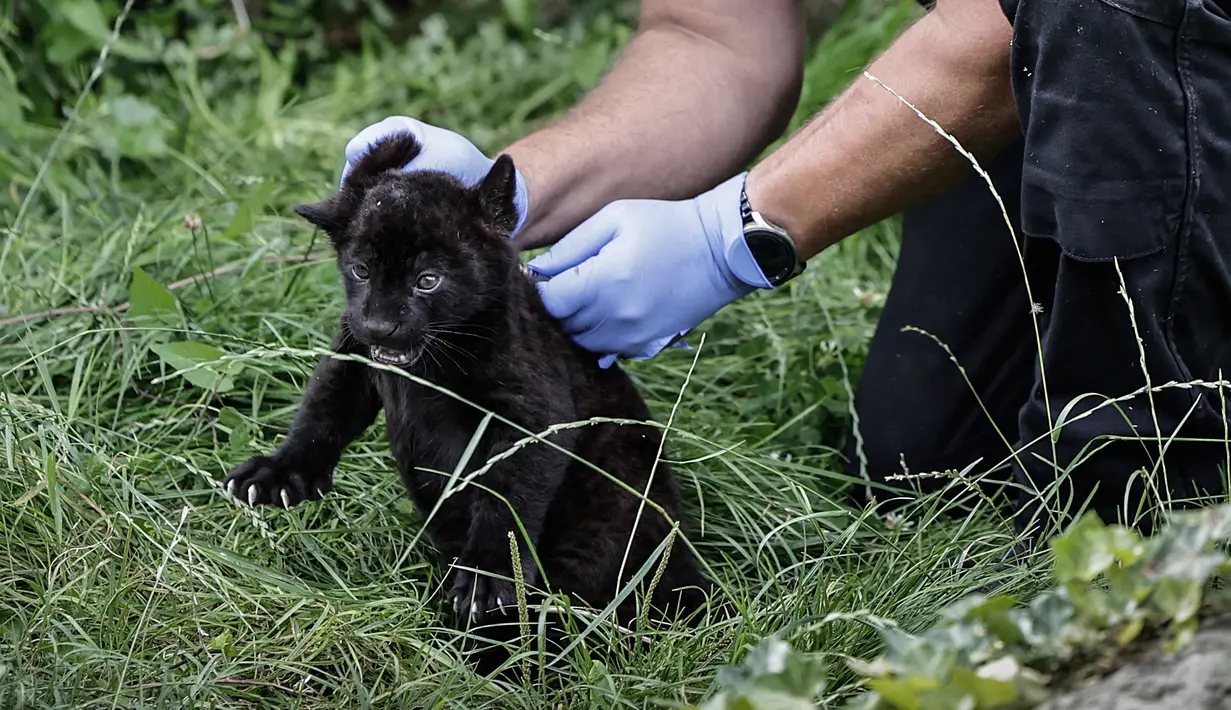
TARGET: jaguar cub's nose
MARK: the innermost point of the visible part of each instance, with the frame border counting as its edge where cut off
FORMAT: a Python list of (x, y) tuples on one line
[(381, 329)]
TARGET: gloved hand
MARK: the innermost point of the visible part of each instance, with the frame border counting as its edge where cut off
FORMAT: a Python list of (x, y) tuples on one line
[(640, 273), (442, 150)]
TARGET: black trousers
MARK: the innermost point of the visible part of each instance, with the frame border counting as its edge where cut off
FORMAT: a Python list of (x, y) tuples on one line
[(1119, 191)]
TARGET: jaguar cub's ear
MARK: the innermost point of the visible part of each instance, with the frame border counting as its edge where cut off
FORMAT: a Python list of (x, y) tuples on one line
[(331, 215), (389, 154), (497, 193)]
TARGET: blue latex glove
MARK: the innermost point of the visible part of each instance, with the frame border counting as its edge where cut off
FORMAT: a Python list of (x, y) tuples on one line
[(442, 150), (641, 273)]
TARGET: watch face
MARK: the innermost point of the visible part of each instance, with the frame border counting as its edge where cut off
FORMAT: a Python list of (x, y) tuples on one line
[(772, 253)]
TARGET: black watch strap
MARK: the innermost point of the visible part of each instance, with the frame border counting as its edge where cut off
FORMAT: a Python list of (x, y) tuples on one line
[(745, 209)]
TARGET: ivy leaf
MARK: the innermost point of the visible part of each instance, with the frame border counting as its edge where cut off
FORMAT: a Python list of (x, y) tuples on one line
[(1129, 632), (994, 614), (903, 692), (1048, 624), (1101, 607), (772, 677), (992, 690), (1084, 551), (191, 357), (914, 655), (1184, 633), (988, 653), (968, 640), (1179, 599)]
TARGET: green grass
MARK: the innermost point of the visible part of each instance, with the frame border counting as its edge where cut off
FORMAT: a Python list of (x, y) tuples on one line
[(127, 579)]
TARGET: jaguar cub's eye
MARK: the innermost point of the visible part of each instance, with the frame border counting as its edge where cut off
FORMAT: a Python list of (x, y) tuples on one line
[(360, 272), (428, 282)]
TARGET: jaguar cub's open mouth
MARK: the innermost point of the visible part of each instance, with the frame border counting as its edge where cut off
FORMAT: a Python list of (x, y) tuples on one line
[(392, 357)]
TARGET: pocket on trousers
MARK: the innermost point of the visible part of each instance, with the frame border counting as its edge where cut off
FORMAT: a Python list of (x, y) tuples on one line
[(1104, 109)]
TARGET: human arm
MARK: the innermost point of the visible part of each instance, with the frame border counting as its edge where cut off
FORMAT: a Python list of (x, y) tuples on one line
[(638, 272), (868, 156), (700, 90)]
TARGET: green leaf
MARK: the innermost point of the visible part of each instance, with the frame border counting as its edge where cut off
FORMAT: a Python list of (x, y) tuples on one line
[(903, 693), (130, 127), (245, 214), (190, 356), (230, 418), (1129, 632), (1085, 550), (1184, 633), (225, 644), (602, 687), (994, 614), (1048, 624), (65, 43), (132, 111), (967, 639), (521, 13), (987, 692), (1179, 599), (12, 102), (774, 676), (149, 300), (588, 65), (239, 431), (86, 16), (916, 655)]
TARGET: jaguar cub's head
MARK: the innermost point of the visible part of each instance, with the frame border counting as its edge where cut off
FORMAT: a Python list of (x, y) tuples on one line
[(424, 258)]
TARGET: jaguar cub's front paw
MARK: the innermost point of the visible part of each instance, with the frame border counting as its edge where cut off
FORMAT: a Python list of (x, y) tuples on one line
[(479, 596), (275, 480)]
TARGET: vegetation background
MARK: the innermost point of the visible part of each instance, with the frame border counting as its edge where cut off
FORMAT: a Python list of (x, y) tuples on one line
[(160, 309)]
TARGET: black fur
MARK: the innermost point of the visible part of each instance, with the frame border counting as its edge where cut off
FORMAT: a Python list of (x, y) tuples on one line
[(482, 333)]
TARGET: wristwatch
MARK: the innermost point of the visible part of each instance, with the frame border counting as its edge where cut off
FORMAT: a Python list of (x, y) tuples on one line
[(772, 248)]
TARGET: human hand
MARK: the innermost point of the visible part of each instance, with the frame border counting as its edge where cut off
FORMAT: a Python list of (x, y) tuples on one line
[(441, 150), (640, 273)]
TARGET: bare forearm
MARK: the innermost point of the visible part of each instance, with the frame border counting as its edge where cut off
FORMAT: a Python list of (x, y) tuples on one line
[(868, 156), (701, 89)]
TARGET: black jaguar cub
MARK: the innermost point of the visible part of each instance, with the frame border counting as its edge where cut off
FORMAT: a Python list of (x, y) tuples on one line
[(434, 287)]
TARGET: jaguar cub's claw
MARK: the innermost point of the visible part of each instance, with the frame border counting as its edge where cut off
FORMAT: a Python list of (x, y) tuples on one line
[(481, 595), (282, 480)]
